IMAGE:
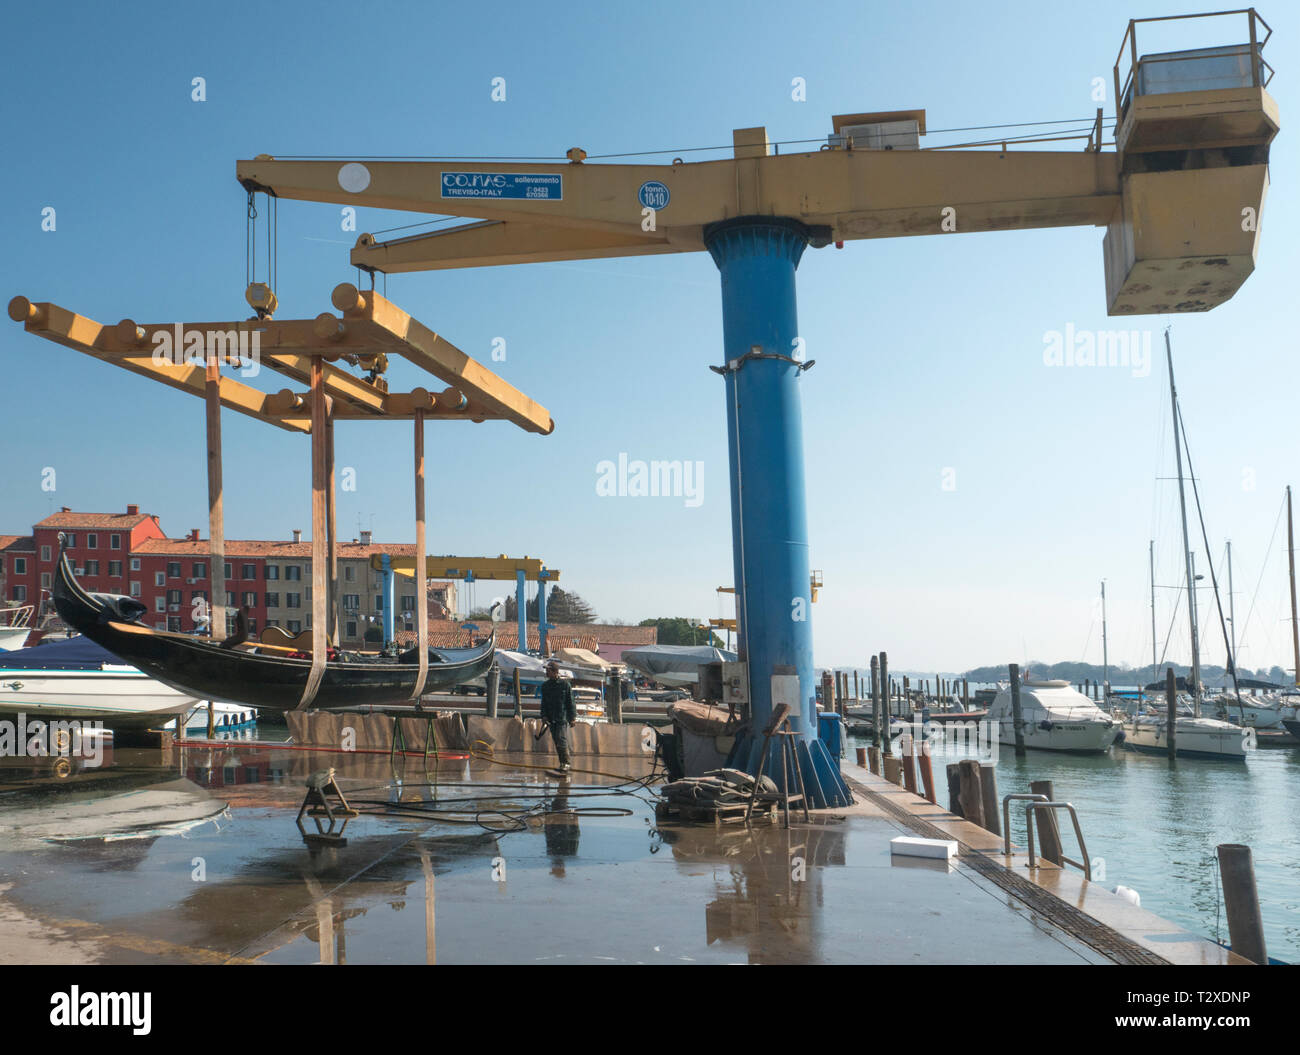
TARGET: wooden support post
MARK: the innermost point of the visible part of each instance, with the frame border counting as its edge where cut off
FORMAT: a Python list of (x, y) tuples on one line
[(971, 794), (886, 710), (1049, 835), (1018, 721), (873, 759), (1241, 901), (989, 787), (1171, 715), (927, 775), (615, 694), (519, 696), (954, 788), (875, 705), (857, 691), (331, 522), (216, 515), (421, 570), (909, 769), (493, 689), (862, 756), (319, 531), (893, 769), (905, 705), (212, 722)]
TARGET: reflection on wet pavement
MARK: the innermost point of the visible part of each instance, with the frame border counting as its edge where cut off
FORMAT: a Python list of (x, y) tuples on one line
[(194, 857)]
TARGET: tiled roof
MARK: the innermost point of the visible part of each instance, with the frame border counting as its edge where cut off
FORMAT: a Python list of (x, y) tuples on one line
[(182, 547), (18, 543), (447, 633), (625, 635), (103, 521)]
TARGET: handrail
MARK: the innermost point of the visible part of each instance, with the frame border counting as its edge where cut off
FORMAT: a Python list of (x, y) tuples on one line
[(1085, 864), (1006, 814)]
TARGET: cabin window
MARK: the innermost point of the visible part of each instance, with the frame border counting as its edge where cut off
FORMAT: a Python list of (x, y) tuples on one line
[(114, 541), (92, 541)]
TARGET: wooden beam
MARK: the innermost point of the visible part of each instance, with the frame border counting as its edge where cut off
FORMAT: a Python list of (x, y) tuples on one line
[(319, 535), (216, 514), (331, 518)]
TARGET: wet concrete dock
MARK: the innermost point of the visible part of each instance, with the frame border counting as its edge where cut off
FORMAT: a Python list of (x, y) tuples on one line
[(193, 856)]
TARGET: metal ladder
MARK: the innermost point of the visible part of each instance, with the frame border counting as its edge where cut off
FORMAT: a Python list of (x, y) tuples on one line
[(1041, 802)]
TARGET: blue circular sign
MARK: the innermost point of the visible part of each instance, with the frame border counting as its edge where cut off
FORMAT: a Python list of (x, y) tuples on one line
[(653, 195)]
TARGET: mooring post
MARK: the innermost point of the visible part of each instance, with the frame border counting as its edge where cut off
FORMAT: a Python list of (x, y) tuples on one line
[(873, 759), (908, 746), (927, 775), (493, 688), (615, 698), (1017, 720), (875, 703), (1241, 901), (519, 696), (954, 788), (1049, 835), (857, 692), (972, 793), (886, 710), (1171, 715), (989, 787)]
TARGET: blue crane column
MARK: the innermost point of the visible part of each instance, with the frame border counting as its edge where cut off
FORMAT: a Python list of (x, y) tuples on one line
[(757, 257), (521, 605), (541, 610), (386, 602)]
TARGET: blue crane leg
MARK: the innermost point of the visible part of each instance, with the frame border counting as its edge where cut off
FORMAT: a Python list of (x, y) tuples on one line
[(757, 258)]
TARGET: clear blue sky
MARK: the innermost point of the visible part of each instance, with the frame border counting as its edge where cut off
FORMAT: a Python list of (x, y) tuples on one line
[(929, 351)]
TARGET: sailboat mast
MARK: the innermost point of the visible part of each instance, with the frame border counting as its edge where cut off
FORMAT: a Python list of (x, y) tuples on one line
[(1232, 610), (1295, 625), (1105, 660), (1155, 662), (1187, 549)]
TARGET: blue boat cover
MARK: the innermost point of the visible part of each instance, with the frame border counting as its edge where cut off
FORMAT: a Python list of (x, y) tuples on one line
[(73, 653)]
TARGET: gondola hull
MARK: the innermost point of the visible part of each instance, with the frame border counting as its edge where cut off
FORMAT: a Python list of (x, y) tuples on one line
[(267, 681)]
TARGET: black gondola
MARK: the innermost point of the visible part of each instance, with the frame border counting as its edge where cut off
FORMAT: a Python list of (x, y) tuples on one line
[(263, 679)]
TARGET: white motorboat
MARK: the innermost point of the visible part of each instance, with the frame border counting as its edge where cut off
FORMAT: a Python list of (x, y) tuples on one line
[(15, 627), (1054, 717), (75, 678), (229, 720)]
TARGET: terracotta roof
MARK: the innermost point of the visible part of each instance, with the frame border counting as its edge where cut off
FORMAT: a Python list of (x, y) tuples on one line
[(18, 543), (265, 548), (624, 635), (104, 521)]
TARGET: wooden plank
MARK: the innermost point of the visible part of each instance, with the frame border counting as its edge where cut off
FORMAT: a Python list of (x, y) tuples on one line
[(331, 519), (319, 533)]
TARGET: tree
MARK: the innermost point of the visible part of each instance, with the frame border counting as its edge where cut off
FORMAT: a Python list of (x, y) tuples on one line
[(561, 607), (676, 630)]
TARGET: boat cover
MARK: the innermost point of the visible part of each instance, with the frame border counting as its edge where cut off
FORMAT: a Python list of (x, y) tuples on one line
[(652, 660), (73, 653), (582, 657)]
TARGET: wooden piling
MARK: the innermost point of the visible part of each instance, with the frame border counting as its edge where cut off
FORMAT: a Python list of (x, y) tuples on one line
[(1241, 902), (989, 788), (1016, 716), (875, 705), (519, 696), (893, 769), (873, 759), (857, 691), (421, 571), (615, 701), (909, 769), (954, 788), (862, 757), (1049, 835), (927, 775), (493, 690), (971, 794), (886, 710), (1171, 714)]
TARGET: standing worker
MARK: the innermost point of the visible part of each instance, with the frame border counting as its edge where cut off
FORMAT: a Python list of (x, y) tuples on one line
[(558, 711)]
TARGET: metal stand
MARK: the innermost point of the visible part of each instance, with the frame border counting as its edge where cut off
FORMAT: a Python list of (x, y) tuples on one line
[(320, 787), (779, 727)]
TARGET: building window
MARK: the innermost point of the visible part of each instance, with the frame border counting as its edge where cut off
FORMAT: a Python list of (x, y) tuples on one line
[(20, 565), (272, 600), (197, 594), (272, 622), (295, 627), (115, 569), (199, 570), (160, 603), (229, 571), (379, 602), (250, 571), (230, 598), (45, 580), (352, 602), (250, 600), (72, 539), (114, 541), (159, 579), (135, 563), (252, 626), (174, 624), (272, 571), (408, 602), (92, 567), (173, 597), (135, 589), (293, 572), (293, 600), (20, 593), (92, 541), (351, 630), (45, 554), (349, 573), (173, 569)]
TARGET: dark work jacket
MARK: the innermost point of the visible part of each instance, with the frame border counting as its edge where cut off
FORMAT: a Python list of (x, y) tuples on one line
[(557, 701)]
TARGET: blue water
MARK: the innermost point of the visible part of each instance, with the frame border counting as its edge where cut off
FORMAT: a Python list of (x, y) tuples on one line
[(1155, 825)]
